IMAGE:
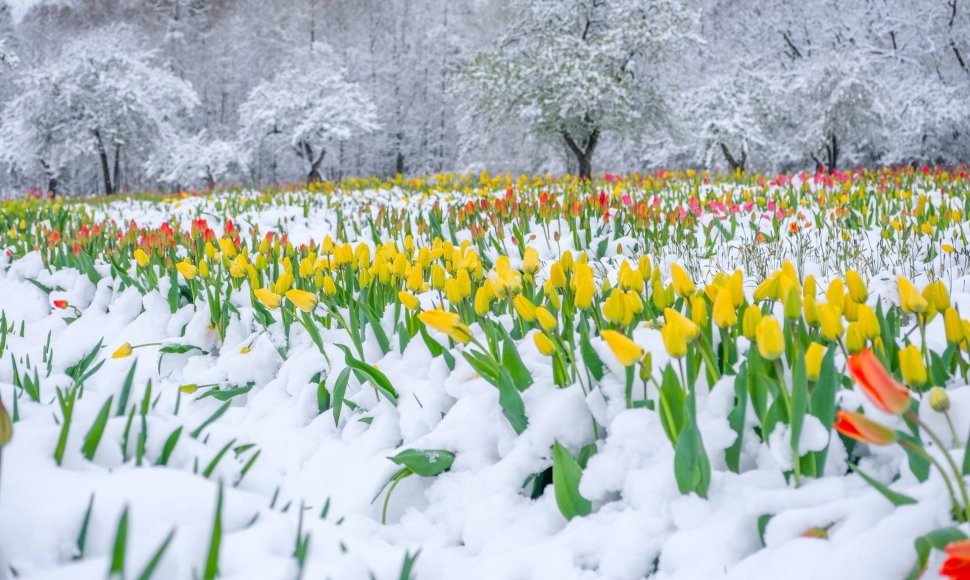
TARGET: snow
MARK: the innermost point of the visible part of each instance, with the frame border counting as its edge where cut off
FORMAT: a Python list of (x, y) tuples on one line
[(474, 521)]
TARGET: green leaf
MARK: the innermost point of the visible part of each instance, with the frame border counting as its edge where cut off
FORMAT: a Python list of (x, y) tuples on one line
[(215, 541), (339, 388), (207, 472), (378, 378), (120, 547), (482, 365), (823, 403), (918, 464), (227, 394), (82, 537), (590, 358), (126, 390), (169, 446), (425, 462), (736, 418), (937, 539), (692, 469), (673, 412), (212, 419), (149, 570), (514, 365), (895, 498), (566, 474), (93, 438), (511, 402)]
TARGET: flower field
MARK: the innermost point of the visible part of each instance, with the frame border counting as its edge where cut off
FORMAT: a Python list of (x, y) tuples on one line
[(674, 375)]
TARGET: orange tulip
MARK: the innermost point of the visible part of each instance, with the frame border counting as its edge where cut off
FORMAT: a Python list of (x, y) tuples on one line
[(62, 304), (858, 427), (957, 564), (881, 388)]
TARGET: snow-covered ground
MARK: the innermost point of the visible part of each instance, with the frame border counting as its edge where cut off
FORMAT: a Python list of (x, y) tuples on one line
[(322, 480)]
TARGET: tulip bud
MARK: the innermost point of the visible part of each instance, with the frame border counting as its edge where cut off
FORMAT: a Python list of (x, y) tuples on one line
[(674, 340), (123, 351), (544, 344), (855, 341), (698, 310), (793, 304), (725, 314), (525, 308), (813, 360), (683, 285), (939, 400), (749, 322), (6, 426), (482, 301), (546, 319), (912, 367), (557, 276), (830, 321), (857, 288), (910, 300), (953, 326), (771, 341)]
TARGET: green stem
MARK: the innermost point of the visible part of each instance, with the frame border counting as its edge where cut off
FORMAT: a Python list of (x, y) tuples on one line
[(949, 459), (949, 485)]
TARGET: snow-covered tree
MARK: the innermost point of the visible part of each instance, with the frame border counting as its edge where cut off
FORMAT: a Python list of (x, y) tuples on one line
[(576, 69), (197, 158), (100, 97), (305, 108)]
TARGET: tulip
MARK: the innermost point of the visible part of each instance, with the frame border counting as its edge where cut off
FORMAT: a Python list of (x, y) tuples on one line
[(835, 295), (953, 326), (855, 340), (557, 276), (61, 304), (615, 308), (793, 304), (749, 322), (6, 426), (910, 300), (813, 360), (448, 323), (625, 350), (141, 257), (302, 299), (883, 390), (957, 563), (771, 341), (187, 269), (410, 301), (674, 340), (482, 301), (857, 288), (544, 344), (724, 314), (530, 261), (546, 319), (269, 298), (683, 285), (939, 400), (861, 428), (912, 367), (698, 310), (123, 351), (584, 293), (830, 321), (735, 284), (525, 308)]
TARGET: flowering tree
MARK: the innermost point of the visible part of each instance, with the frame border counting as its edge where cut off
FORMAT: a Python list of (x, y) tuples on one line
[(576, 69), (100, 96), (304, 108), (191, 159)]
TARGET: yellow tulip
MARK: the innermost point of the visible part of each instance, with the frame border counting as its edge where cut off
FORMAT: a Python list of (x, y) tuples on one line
[(408, 300), (750, 321), (448, 323), (544, 344), (953, 326), (329, 286), (557, 276), (683, 285), (267, 297), (912, 367), (910, 300), (939, 400), (674, 340), (685, 325), (546, 319), (626, 351), (302, 299), (770, 340), (483, 301), (187, 269), (813, 360), (530, 261), (525, 308), (835, 295), (855, 339), (123, 351), (141, 257), (793, 303), (698, 310), (725, 315), (857, 288)]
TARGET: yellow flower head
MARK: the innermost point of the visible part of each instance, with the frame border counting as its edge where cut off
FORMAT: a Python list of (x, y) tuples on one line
[(626, 351), (123, 351), (269, 298), (302, 299)]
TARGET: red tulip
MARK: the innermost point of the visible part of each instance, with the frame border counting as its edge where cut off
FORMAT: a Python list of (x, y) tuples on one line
[(957, 564), (881, 388), (62, 304), (860, 428)]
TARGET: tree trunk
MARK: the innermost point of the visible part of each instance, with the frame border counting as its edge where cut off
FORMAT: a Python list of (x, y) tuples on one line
[(735, 164), (313, 175), (584, 155), (105, 166), (51, 179), (117, 170)]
